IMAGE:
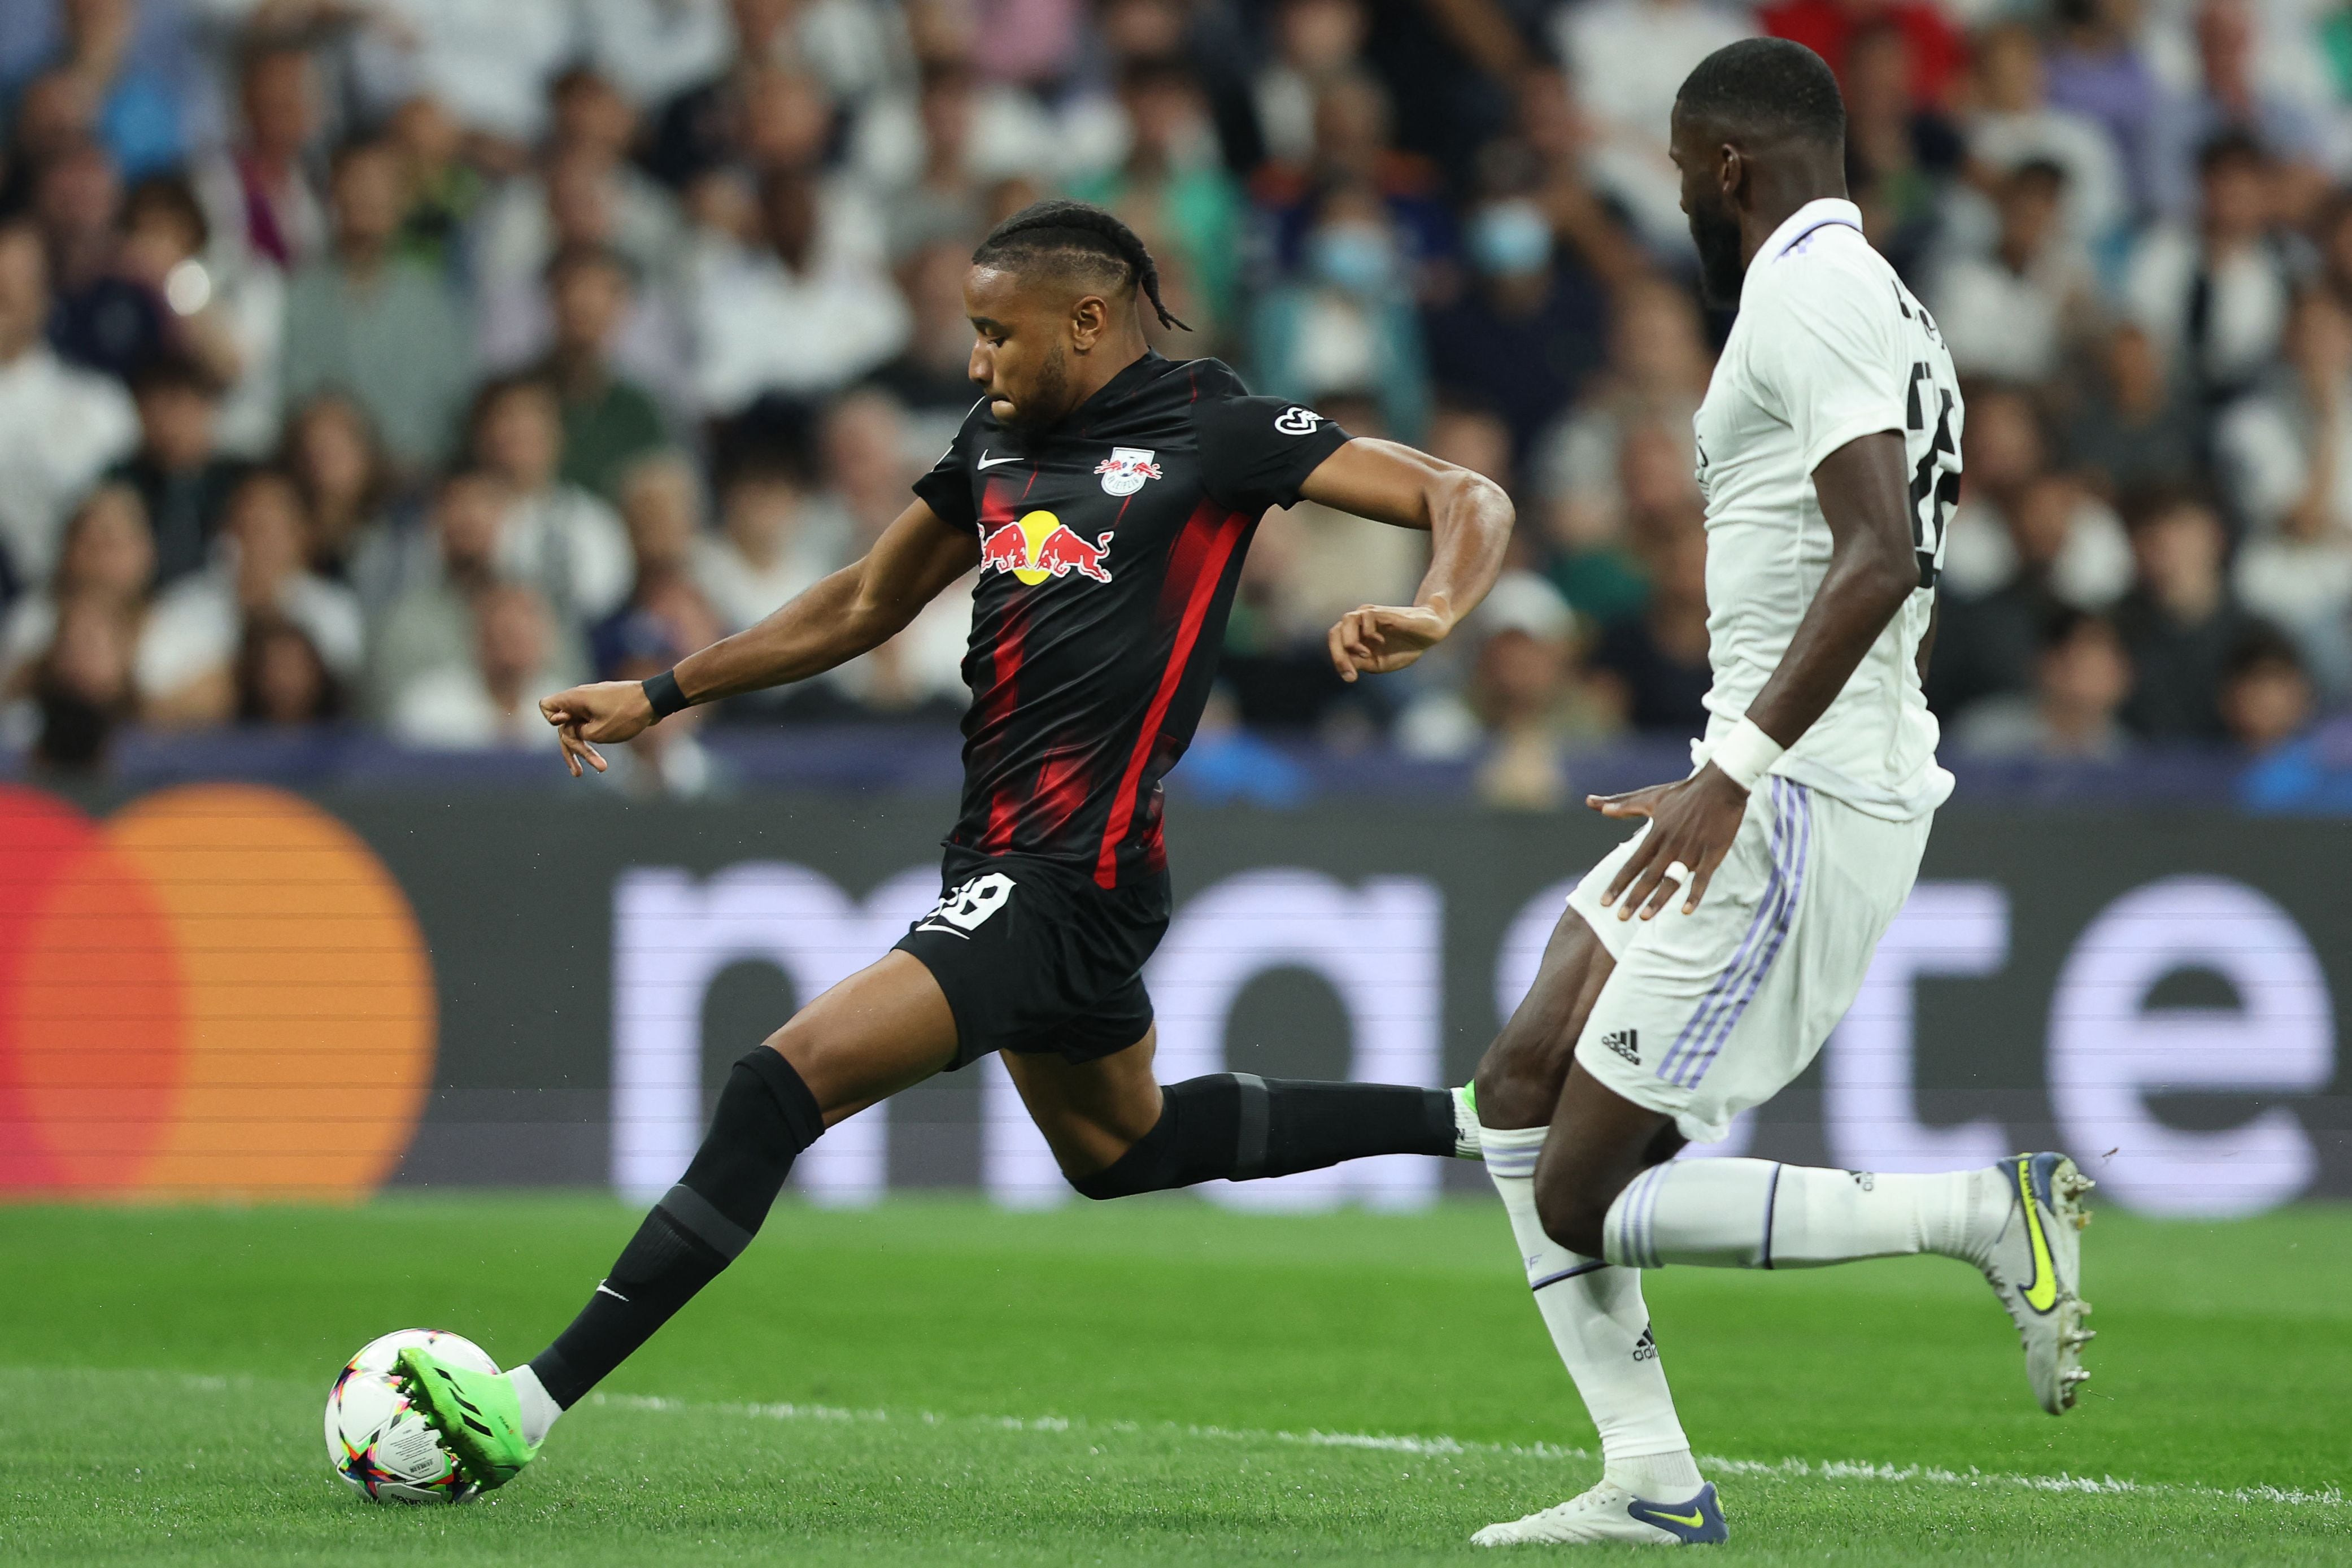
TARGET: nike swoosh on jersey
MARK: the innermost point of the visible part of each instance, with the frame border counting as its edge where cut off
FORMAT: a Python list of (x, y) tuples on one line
[(2040, 1292), (988, 462), (608, 1290)]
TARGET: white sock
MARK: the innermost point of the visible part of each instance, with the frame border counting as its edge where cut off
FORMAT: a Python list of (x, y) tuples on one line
[(1601, 1329), (1755, 1214), (539, 1407)]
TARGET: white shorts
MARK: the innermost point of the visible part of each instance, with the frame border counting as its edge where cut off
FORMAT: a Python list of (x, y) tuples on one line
[(1710, 1012)]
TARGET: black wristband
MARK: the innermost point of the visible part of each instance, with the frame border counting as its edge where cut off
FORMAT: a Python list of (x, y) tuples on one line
[(662, 691)]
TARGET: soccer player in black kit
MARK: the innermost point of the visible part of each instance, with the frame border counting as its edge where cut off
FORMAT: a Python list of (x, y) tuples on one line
[(1107, 495)]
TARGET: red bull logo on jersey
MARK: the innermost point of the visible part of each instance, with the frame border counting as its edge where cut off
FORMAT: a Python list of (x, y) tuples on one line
[(1038, 547), (1124, 471)]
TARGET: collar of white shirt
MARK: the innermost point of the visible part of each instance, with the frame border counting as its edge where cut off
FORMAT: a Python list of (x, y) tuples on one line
[(1814, 215)]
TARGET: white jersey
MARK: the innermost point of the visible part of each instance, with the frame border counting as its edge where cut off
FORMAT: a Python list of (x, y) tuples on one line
[(1829, 346)]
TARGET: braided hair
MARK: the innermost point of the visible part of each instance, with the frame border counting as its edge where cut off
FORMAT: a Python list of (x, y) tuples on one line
[(1082, 236)]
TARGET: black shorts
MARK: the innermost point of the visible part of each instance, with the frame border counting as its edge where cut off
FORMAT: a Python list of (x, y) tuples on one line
[(1036, 958)]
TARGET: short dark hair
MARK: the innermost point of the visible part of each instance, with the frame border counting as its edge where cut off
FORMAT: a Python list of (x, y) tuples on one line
[(575, 253), (2230, 145), (1767, 87), (173, 370), (2262, 646), (1082, 238), (2066, 622)]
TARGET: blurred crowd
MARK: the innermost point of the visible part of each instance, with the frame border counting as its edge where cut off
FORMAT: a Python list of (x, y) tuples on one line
[(392, 363)]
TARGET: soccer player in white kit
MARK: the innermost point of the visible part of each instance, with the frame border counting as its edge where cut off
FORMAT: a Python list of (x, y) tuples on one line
[(1699, 967)]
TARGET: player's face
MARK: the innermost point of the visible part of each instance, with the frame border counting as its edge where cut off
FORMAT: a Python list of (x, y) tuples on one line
[(1021, 347), (1714, 221)]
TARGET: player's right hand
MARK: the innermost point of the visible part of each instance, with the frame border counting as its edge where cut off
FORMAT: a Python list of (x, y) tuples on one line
[(609, 710)]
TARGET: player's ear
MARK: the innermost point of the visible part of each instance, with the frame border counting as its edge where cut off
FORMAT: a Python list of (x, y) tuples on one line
[(1730, 174), (1089, 320)]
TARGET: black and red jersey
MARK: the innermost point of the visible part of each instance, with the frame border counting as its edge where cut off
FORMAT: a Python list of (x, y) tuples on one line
[(1111, 546)]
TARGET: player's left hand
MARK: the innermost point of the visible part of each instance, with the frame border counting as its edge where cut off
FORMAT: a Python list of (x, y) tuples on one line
[(1378, 638), (1691, 824)]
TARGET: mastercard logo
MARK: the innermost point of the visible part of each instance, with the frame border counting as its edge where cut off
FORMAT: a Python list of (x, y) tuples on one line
[(218, 992)]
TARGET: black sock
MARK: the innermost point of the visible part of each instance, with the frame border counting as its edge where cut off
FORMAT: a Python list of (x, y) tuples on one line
[(766, 1115), (1239, 1126)]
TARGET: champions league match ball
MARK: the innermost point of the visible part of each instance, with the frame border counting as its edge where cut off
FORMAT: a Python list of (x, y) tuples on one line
[(384, 1450)]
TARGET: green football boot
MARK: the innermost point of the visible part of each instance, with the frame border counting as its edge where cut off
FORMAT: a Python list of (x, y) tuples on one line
[(475, 1411)]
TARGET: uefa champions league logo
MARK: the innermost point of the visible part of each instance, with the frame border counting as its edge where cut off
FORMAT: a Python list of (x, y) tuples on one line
[(1124, 471)]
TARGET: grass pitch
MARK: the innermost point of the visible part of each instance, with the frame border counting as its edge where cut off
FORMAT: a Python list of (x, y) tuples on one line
[(1152, 1381)]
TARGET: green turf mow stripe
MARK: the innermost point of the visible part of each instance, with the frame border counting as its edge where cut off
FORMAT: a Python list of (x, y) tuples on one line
[(1752, 1469)]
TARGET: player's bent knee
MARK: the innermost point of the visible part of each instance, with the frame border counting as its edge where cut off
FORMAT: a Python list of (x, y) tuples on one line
[(1573, 1215)]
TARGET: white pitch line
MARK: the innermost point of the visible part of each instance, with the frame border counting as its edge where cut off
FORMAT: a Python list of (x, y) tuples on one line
[(1758, 1469)]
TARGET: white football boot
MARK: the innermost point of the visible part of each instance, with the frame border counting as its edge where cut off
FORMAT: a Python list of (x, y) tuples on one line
[(2035, 1264), (1610, 1512)]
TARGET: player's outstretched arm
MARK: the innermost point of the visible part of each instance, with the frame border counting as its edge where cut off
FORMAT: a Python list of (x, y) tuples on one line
[(857, 608), (1866, 494), (1468, 519)]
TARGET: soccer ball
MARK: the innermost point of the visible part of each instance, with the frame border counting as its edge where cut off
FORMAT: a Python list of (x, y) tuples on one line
[(384, 1450)]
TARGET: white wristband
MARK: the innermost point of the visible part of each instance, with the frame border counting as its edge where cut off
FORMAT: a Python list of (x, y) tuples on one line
[(1746, 753)]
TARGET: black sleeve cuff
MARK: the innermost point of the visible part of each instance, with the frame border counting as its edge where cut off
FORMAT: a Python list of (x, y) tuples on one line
[(662, 691)]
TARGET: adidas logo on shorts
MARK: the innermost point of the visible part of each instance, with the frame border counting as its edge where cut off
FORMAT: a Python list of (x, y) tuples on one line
[(1626, 1043), (1647, 1347)]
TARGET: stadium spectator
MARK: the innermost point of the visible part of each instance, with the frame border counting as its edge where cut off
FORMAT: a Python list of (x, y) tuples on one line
[(2014, 314), (2012, 123), (655, 49), (2081, 680), (280, 678), (188, 644), (2180, 620), (107, 554), (141, 74), (82, 689), (2097, 69), (799, 314), (1314, 41), (932, 376), (1627, 59), (264, 204), (661, 504), (60, 427), (1173, 190), (183, 477), (227, 315), (2133, 430), (1901, 148), (772, 545), (1346, 323), (558, 538), (2287, 451), (2215, 296), (1656, 661), (2231, 97), (1656, 375), (332, 452), (380, 327), (868, 464), (489, 64), (1354, 145), (2058, 549), (2266, 695), (492, 698), (944, 197), (1527, 338), (425, 583), (444, 186), (609, 420), (102, 318)]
